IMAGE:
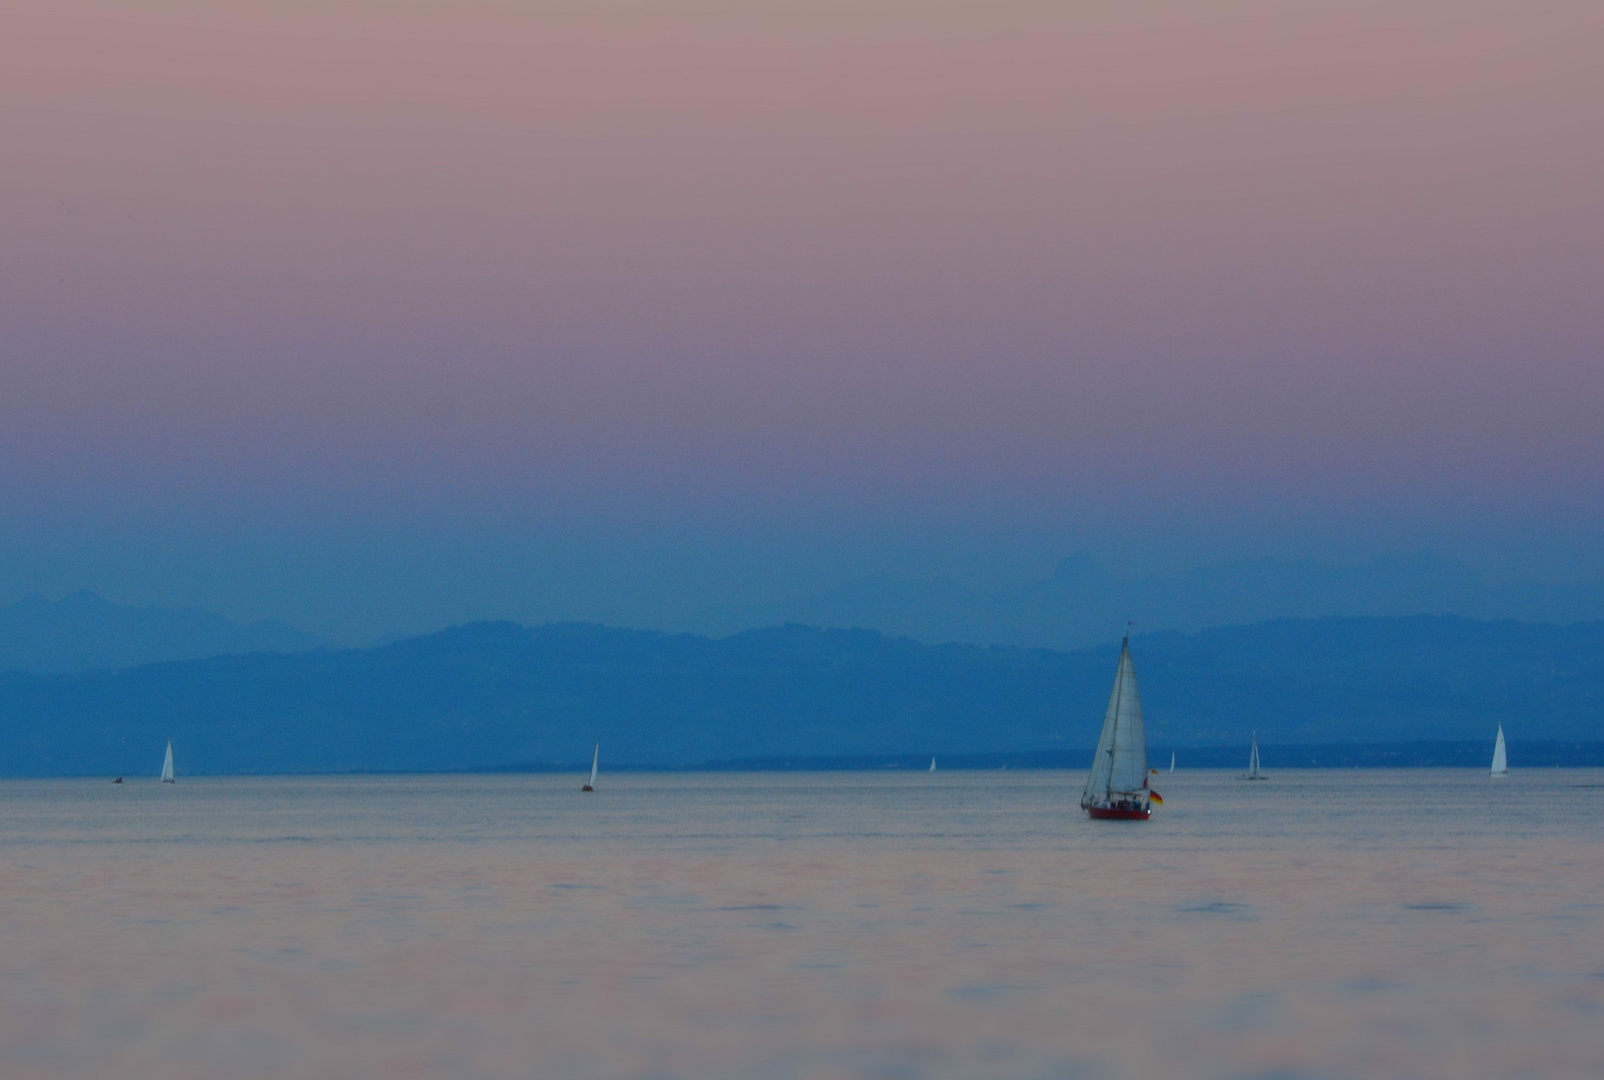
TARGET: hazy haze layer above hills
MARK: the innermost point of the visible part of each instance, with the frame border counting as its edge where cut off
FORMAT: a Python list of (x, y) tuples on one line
[(497, 694), (1079, 603), (82, 631), (1082, 603)]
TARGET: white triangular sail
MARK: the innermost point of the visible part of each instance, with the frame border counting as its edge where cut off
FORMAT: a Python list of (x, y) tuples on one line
[(1254, 772), (1500, 762), (1172, 762), (595, 759), (932, 764), (1119, 770), (167, 764)]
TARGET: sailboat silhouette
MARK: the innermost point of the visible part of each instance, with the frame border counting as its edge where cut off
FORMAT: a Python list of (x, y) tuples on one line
[(595, 759), (1254, 772), (1117, 787)]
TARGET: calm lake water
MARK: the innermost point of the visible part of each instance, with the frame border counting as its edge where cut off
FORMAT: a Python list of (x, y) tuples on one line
[(957, 925)]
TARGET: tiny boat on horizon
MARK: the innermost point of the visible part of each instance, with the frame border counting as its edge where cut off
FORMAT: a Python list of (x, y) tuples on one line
[(1500, 760), (167, 765), (1254, 772), (595, 759), (1116, 789), (932, 764)]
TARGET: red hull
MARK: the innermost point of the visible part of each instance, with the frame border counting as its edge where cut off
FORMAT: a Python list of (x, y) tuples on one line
[(1110, 813)]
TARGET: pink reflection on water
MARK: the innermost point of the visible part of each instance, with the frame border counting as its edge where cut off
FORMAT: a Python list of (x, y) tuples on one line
[(576, 941)]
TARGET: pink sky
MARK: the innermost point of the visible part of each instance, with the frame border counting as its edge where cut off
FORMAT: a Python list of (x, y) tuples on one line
[(1228, 252)]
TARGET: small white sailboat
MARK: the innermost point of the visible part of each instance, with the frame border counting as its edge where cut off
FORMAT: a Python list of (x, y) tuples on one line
[(167, 765), (1172, 762), (595, 759), (1500, 761), (932, 764), (1117, 787), (1254, 772)]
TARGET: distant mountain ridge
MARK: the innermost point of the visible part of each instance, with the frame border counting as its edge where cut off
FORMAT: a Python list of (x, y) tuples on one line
[(1077, 604), (83, 632), (490, 695)]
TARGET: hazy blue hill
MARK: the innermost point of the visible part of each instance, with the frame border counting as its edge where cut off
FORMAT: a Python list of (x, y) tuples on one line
[(1081, 601), (1389, 680), (498, 694), (495, 693), (82, 631)]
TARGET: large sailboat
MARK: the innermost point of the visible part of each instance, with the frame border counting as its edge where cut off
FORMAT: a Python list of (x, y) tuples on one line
[(167, 764), (1117, 786), (1500, 762), (1254, 772), (595, 759)]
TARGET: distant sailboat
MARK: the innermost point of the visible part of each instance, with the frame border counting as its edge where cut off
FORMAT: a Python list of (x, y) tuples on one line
[(932, 764), (1500, 762), (1254, 772), (1117, 786), (1172, 762), (595, 759), (167, 764)]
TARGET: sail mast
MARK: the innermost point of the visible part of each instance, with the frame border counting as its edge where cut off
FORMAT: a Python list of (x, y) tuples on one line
[(1119, 692)]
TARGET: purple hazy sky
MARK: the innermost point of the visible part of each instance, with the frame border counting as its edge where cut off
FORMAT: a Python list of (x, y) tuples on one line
[(376, 315)]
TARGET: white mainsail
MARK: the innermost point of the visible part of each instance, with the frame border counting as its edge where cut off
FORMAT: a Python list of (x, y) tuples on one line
[(167, 764), (932, 764), (1500, 762), (1119, 771), (1254, 773), (1172, 762), (595, 759)]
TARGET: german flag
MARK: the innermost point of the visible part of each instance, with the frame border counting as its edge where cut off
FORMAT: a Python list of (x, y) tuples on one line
[(1156, 797)]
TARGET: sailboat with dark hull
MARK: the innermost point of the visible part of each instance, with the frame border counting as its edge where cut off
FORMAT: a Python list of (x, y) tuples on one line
[(595, 759), (1116, 789)]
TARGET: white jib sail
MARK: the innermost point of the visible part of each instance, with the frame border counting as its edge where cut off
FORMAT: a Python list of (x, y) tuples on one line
[(595, 759), (1500, 762), (167, 764), (1120, 767)]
